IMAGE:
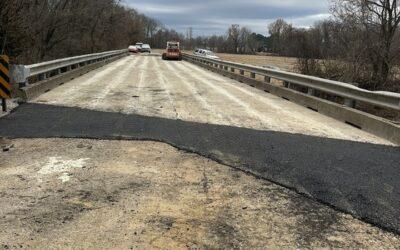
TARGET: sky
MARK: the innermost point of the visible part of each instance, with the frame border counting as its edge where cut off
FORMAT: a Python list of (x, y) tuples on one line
[(208, 17)]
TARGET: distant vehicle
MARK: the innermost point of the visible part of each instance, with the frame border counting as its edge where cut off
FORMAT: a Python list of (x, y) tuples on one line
[(205, 53), (145, 48), (133, 49), (210, 54), (139, 46), (271, 67), (172, 51), (197, 52)]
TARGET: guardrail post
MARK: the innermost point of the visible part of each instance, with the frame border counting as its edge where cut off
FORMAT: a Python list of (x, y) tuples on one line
[(225, 67), (286, 84), (242, 72), (221, 66), (42, 77), (311, 91), (267, 79), (252, 75), (349, 103)]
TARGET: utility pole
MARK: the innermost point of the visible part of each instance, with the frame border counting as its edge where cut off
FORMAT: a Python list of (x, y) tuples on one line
[(189, 33), (189, 36)]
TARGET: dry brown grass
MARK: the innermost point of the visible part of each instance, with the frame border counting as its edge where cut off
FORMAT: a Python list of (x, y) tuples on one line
[(284, 63)]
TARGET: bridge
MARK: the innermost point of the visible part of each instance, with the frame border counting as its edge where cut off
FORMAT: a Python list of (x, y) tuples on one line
[(207, 151)]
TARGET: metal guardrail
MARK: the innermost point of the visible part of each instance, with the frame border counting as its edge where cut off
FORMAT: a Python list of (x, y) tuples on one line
[(21, 73), (349, 92)]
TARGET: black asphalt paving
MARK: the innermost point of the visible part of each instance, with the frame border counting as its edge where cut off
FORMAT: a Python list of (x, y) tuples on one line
[(359, 178)]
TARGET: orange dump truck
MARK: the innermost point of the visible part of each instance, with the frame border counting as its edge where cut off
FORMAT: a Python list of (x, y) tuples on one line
[(172, 52)]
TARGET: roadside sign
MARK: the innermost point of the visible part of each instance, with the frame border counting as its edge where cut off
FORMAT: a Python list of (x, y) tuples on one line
[(5, 86)]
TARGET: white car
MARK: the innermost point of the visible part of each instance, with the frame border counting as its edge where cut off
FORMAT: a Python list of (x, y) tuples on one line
[(145, 48), (205, 53), (197, 52), (209, 54), (133, 49)]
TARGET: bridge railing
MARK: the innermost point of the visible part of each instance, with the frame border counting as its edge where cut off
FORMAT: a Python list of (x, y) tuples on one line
[(348, 92), (30, 81), (21, 73)]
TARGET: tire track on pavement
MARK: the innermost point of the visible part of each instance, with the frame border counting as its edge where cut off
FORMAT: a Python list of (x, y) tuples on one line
[(165, 84), (100, 100), (78, 88), (308, 118), (216, 116), (229, 84), (258, 117)]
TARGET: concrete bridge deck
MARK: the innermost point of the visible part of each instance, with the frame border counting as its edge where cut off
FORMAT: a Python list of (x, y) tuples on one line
[(148, 86)]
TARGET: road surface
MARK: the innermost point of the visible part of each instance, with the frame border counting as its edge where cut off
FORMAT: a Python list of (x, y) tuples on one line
[(179, 90), (96, 194), (68, 193)]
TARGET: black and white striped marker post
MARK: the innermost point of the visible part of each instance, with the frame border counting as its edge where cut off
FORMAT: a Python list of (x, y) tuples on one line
[(5, 86)]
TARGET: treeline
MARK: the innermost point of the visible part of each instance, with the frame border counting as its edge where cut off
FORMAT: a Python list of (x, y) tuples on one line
[(237, 40), (360, 44), (34, 31)]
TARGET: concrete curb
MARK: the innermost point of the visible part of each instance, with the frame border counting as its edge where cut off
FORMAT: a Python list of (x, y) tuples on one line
[(372, 124)]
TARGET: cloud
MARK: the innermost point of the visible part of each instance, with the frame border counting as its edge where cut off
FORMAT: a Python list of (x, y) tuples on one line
[(214, 16)]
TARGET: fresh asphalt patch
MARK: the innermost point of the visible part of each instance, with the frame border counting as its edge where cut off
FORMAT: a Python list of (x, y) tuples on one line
[(359, 178)]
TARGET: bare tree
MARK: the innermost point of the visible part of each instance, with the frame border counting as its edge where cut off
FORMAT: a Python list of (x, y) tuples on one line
[(379, 19), (243, 43), (276, 31), (233, 37), (11, 26)]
